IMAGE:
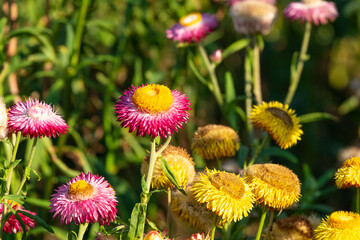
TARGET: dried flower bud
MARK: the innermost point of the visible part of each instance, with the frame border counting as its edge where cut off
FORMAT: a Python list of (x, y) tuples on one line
[(253, 17)]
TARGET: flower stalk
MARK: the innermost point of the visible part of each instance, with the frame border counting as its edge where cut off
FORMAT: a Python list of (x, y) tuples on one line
[(82, 230), (256, 71), (295, 77), (261, 224), (214, 81)]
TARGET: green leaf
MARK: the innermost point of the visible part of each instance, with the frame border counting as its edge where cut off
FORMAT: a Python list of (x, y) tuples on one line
[(2, 27), (293, 66), (13, 164), (230, 96), (15, 198), (196, 71), (236, 46), (71, 234), (17, 216), (38, 220), (152, 225), (137, 221), (278, 152), (170, 175), (349, 105), (317, 116)]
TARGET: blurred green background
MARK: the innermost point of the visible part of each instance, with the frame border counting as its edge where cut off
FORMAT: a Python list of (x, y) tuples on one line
[(80, 56)]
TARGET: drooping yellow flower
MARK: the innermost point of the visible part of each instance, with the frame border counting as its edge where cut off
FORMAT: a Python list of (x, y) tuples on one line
[(215, 142), (341, 225), (292, 228), (180, 163), (279, 121), (349, 174), (274, 185), (190, 211), (224, 193)]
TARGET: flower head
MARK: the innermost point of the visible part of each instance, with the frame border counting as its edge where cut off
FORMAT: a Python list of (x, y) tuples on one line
[(152, 109), (190, 211), (312, 11), (216, 56), (86, 198), (12, 225), (153, 235), (253, 17), (340, 225), (36, 119), (349, 174), (180, 163), (215, 142), (3, 120), (274, 185), (198, 236), (279, 121), (192, 27), (224, 193), (292, 228)]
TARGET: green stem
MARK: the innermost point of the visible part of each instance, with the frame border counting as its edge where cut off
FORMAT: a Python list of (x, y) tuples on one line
[(13, 157), (213, 228), (258, 150), (168, 217), (211, 69), (272, 214), (261, 224), (27, 169), (79, 32), (358, 200), (82, 230), (256, 74), (248, 90), (295, 78)]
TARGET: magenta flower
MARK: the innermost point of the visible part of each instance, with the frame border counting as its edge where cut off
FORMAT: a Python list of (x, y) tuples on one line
[(12, 225), (192, 27), (35, 119), (312, 11), (152, 109), (86, 198)]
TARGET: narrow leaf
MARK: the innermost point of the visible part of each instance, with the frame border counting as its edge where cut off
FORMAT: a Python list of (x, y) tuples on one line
[(17, 216), (15, 198), (13, 164), (71, 234), (38, 220), (196, 71), (236, 46), (278, 152), (317, 116), (170, 175), (137, 221)]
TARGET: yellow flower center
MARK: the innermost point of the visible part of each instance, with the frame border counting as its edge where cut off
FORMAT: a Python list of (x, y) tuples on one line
[(229, 183), (276, 176), (344, 220), (80, 190), (153, 98), (282, 115), (36, 111), (190, 19), (355, 161)]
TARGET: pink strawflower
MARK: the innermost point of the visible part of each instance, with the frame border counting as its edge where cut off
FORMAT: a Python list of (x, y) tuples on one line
[(216, 56), (35, 119), (312, 11), (192, 27), (152, 109), (87, 198), (12, 225)]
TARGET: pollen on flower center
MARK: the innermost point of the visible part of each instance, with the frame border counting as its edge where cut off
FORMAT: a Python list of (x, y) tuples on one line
[(282, 115), (37, 111), (229, 183), (80, 190), (190, 19), (153, 98), (344, 220)]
